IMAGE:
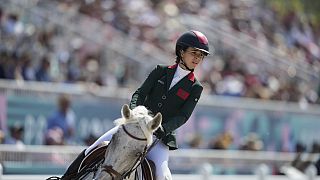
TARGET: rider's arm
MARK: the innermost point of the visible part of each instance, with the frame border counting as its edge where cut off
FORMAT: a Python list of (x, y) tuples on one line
[(141, 93)]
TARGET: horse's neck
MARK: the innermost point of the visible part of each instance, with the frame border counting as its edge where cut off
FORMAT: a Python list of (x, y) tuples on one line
[(114, 160), (118, 161)]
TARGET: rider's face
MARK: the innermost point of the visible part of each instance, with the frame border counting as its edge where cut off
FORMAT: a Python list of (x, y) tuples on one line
[(192, 57)]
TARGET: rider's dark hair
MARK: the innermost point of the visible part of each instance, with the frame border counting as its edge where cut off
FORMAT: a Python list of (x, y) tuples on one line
[(179, 49)]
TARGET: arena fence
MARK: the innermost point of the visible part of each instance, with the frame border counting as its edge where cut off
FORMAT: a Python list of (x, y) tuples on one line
[(206, 163)]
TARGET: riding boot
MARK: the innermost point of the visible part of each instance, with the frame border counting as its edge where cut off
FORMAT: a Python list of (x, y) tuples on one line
[(73, 168)]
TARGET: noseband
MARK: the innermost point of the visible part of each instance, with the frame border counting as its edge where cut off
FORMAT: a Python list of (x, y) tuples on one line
[(115, 174)]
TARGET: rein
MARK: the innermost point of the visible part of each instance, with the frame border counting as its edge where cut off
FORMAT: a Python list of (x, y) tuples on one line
[(115, 174)]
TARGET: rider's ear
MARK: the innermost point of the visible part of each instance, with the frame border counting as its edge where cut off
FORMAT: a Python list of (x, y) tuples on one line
[(125, 111), (181, 52)]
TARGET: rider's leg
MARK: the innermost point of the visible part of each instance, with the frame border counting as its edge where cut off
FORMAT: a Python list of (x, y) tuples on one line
[(159, 154), (105, 137), (73, 168)]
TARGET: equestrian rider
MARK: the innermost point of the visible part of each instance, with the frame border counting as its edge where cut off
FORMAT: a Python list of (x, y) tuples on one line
[(171, 90)]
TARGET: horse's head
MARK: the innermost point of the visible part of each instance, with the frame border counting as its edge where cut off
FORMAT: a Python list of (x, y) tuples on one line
[(138, 122), (133, 136)]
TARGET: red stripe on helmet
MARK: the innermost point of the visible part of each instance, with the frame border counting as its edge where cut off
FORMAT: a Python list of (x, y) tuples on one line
[(201, 37)]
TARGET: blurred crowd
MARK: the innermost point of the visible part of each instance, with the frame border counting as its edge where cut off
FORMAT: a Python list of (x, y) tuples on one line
[(304, 158), (43, 53), (293, 37), (39, 50)]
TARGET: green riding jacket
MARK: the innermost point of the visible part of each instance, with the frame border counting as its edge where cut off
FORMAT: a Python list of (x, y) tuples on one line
[(175, 105)]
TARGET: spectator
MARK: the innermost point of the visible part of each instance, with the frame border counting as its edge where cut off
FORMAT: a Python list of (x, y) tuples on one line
[(16, 135), (251, 143), (28, 72), (54, 136), (2, 137), (43, 73), (223, 141), (13, 25), (61, 123), (2, 66), (300, 148), (1, 15), (194, 141)]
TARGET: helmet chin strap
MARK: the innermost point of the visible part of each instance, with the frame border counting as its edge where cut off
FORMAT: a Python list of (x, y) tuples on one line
[(185, 65)]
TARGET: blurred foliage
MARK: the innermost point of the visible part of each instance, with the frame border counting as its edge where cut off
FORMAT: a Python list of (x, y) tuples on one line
[(305, 8)]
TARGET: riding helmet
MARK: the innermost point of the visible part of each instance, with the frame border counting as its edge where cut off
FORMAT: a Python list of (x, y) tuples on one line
[(194, 39)]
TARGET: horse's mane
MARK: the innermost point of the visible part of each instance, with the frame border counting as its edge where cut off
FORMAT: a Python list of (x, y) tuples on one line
[(140, 115)]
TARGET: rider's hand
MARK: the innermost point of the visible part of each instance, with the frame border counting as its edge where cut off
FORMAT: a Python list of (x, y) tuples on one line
[(160, 133)]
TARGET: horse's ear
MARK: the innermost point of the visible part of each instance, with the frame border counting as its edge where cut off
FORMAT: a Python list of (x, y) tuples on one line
[(125, 111), (155, 123)]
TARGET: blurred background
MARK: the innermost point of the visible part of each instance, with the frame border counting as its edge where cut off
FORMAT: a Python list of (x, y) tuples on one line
[(259, 113)]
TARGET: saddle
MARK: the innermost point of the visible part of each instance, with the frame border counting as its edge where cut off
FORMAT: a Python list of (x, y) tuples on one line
[(96, 157)]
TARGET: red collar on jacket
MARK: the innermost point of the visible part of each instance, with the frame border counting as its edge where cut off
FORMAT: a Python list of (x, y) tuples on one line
[(190, 75)]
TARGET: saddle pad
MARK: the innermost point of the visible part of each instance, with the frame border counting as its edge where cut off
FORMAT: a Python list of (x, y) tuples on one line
[(94, 157)]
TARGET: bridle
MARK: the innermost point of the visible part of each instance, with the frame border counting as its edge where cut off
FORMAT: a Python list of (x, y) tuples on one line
[(132, 136), (141, 155)]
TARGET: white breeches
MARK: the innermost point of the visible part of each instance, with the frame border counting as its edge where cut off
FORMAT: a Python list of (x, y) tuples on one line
[(159, 154), (105, 137)]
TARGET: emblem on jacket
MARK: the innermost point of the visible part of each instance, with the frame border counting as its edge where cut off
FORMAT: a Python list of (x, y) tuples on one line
[(183, 94)]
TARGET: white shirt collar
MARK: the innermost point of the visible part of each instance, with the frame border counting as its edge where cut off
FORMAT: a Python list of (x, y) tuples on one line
[(181, 72)]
